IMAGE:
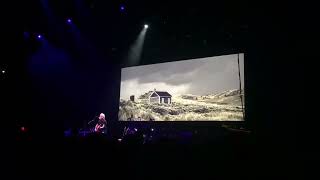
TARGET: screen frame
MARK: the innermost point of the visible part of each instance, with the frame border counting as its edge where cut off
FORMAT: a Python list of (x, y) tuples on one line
[(201, 122)]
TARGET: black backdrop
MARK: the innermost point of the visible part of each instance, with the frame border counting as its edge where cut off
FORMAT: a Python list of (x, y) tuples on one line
[(273, 76)]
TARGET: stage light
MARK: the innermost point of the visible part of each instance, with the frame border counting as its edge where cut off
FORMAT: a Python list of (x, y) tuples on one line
[(69, 20), (3, 71), (152, 129), (135, 129), (135, 50), (122, 8), (39, 36)]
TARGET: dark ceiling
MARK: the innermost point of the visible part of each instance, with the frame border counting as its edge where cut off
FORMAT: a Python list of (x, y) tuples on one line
[(179, 30)]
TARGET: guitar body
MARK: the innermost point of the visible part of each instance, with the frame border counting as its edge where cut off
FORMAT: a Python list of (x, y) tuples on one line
[(99, 128)]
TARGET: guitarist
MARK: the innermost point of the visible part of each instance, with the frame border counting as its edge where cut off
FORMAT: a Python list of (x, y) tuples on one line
[(101, 126)]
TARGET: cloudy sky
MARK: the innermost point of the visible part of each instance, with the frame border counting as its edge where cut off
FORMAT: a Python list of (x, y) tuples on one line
[(196, 76)]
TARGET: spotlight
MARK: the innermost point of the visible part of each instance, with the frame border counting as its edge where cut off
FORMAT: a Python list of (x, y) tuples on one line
[(152, 129), (146, 26), (3, 71), (69, 20), (135, 129), (122, 8), (39, 36)]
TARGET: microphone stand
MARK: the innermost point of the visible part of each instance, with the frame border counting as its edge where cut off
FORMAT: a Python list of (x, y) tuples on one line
[(90, 122)]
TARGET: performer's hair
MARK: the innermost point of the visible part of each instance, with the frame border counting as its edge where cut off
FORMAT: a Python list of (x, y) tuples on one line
[(103, 115)]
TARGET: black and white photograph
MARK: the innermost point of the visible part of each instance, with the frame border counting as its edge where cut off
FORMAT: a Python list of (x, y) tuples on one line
[(206, 89)]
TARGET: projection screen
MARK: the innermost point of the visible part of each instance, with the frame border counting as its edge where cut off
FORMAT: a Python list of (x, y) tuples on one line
[(204, 89)]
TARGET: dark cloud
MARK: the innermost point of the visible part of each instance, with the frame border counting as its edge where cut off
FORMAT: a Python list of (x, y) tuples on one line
[(158, 72), (205, 75)]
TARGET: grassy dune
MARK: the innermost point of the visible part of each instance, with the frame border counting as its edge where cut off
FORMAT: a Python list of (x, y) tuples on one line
[(225, 106)]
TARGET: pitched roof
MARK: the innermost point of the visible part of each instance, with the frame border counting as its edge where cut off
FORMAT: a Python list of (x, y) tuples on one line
[(163, 93)]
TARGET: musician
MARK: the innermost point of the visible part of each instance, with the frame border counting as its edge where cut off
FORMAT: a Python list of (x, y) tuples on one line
[(101, 126)]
